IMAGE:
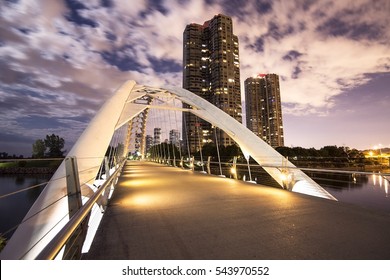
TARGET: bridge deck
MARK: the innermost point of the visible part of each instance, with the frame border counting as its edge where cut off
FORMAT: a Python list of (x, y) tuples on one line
[(160, 212)]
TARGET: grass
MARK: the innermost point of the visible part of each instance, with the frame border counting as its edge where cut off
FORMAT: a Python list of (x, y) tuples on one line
[(8, 164)]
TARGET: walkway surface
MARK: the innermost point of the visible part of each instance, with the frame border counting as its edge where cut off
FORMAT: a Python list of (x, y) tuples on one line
[(161, 212)]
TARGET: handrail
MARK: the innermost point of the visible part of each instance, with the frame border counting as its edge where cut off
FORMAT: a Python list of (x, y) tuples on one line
[(55, 245), (39, 185), (325, 170)]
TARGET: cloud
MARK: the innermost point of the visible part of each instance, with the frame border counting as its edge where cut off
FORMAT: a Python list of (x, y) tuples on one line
[(316, 58)]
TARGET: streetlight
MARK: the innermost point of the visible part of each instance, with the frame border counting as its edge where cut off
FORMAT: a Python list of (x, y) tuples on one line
[(378, 147)]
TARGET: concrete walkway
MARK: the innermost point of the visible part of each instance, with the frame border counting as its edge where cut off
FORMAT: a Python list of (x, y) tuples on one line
[(161, 212)]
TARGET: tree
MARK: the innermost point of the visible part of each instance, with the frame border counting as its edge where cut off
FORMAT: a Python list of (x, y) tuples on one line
[(54, 144), (164, 149), (232, 151), (39, 149)]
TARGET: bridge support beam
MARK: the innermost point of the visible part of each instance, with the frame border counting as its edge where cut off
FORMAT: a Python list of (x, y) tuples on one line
[(75, 244), (233, 170), (104, 199), (208, 165)]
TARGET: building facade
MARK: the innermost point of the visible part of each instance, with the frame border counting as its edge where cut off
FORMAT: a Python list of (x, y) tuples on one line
[(211, 69), (263, 108), (157, 136), (174, 137), (148, 142)]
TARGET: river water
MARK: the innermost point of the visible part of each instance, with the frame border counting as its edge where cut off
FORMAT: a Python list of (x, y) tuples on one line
[(370, 191), (13, 208)]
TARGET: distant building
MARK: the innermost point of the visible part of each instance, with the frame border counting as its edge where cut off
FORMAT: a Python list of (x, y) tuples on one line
[(148, 142), (263, 108), (211, 70), (174, 137), (157, 136)]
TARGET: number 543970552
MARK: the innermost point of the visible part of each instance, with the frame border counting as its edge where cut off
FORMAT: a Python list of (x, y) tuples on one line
[(242, 270)]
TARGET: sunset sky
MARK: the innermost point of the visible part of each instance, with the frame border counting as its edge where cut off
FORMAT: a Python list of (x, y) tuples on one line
[(60, 60)]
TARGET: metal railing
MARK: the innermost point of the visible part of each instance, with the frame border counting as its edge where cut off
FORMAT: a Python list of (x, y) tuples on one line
[(251, 172), (62, 237), (78, 212)]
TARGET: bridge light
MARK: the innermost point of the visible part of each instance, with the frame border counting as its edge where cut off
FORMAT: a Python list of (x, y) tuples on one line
[(283, 177), (233, 170), (287, 179)]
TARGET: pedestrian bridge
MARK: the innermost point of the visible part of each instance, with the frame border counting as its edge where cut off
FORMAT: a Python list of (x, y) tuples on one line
[(162, 212), (166, 209)]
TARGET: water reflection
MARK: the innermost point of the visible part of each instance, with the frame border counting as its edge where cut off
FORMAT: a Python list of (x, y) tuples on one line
[(371, 191), (13, 208), (381, 181), (339, 181), (19, 180)]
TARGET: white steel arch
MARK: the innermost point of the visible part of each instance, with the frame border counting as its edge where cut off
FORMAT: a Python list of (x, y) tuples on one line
[(37, 230), (253, 146)]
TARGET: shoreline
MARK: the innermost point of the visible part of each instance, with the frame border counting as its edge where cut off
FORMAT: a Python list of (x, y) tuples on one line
[(27, 170)]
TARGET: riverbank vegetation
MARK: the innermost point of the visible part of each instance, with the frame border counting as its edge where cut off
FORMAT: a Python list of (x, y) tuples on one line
[(30, 166), (50, 147), (325, 157)]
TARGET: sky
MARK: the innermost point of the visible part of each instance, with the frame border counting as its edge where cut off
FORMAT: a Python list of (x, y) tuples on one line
[(60, 61)]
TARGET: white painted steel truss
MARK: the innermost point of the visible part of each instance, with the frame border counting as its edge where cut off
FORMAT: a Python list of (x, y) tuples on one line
[(129, 106)]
